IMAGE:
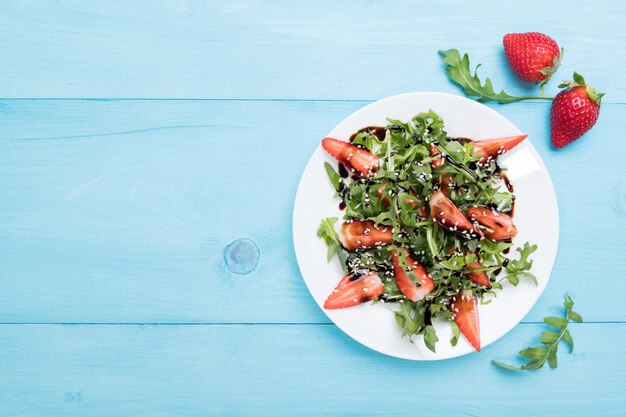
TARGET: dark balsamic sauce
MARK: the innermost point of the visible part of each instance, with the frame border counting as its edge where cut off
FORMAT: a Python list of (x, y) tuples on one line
[(451, 161), (509, 187), (427, 317), (357, 273), (343, 171), (379, 131), (507, 183)]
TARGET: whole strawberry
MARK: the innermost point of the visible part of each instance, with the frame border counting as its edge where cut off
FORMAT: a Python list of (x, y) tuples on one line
[(574, 111), (533, 56)]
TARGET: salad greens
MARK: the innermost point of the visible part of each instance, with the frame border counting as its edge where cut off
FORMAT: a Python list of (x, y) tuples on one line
[(396, 196)]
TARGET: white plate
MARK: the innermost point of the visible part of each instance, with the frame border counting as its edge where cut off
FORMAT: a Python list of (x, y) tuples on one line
[(536, 216)]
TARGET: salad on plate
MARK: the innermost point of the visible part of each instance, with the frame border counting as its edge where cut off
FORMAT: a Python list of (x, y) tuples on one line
[(427, 226)]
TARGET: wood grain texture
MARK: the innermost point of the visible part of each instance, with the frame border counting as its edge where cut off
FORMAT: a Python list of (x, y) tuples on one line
[(119, 211), (242, 370), (315, 49), (191, 124)]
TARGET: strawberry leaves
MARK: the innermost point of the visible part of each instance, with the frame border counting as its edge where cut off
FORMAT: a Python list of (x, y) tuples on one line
[(538, 356), (579, 80), (459, 71), (549, 71)]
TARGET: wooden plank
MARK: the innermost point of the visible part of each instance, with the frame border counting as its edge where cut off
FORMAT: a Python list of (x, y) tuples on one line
[(289, 370), (119, 211), (284, 49)]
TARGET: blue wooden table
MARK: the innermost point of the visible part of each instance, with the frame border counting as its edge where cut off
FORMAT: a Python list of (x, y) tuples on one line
[(138, 139)]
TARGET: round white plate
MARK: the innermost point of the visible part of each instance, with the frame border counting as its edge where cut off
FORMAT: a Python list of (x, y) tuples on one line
[(536, 217)]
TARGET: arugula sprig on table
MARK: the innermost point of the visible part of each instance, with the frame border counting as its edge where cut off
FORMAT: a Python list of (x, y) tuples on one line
[(550, 340), (459, 71)]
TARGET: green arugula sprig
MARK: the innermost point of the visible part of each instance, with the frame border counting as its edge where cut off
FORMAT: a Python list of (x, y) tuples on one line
[(327, 232), (550, 339), (459, 71)]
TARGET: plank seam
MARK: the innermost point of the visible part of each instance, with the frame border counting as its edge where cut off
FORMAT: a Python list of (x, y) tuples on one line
[(261, 99)]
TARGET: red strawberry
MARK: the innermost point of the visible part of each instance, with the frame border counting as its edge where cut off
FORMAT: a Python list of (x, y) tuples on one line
[(437, 162), (574, 111), (448, 216), (492, 148), (358, 160), (465, 311), (404, 282), (533, 56), (355, 288), (357, 234), (479, 277), (500, 225)]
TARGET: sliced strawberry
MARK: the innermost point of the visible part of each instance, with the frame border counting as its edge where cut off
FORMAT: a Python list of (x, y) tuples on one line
[(355, 288), (479, 277), (448, 216), (437, 162), (358, 160), (465, 311), (500, 224), (404, 282), (359, 234), (380, 193), (492, 148)]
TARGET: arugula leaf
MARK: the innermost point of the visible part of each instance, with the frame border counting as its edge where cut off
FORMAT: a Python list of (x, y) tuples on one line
[(455, 333), (327, 232), (335, 179), (518, 269), (550, 339), (430, 337), (410, 318), (459, 71)]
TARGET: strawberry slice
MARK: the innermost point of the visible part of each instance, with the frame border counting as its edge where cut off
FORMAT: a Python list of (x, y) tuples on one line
[(437, 162), (404, 282), (358, 160), (490, 149), (355, 288), (499, 225), (380, 193), (479, 277), (363, 234), (465, 311), (448, 216)]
